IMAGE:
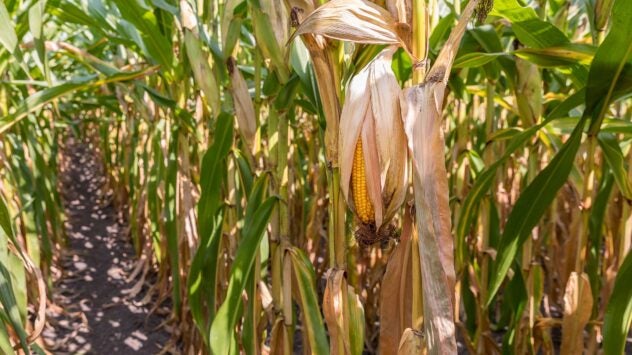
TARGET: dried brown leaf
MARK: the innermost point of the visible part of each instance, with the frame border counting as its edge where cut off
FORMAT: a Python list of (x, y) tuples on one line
[(413, 343), (244, 108), (422, 113), (328, 92), (351, 20), (396, 293), (402, 10), (578, 302)]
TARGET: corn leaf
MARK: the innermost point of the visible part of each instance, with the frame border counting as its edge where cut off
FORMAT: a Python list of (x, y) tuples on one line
[(530, 207), (304, 273), (258, 212), (607, 68), (527, 26), (616, 322), (157, 45), (10, 306), (614, 157)]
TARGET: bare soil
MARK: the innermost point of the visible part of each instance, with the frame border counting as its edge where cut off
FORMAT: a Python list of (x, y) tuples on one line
[(94, 310)]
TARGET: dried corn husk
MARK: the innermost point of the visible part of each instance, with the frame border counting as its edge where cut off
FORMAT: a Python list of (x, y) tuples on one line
[(371, 113)]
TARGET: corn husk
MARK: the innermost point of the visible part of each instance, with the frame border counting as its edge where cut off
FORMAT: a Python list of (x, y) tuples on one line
[(396, 298), (372, 113)]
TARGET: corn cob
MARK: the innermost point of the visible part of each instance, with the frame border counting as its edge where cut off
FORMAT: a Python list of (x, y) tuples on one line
[(363, 205)]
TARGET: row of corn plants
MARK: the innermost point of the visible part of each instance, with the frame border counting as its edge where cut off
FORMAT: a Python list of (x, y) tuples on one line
[(333, 177)]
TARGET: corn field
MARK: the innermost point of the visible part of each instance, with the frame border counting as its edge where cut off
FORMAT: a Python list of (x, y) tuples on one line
[(320, 177)]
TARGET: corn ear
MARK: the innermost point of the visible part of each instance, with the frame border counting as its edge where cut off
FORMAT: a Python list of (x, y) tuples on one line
[(373, 144), (361, 200)]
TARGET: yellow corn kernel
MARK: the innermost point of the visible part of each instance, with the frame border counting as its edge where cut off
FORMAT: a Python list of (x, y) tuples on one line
[(359, 189)]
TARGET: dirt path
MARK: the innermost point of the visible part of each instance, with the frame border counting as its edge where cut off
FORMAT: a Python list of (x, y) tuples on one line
[(96, 315)]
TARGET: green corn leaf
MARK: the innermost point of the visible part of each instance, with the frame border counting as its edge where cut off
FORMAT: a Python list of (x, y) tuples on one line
[(5, 218), (609, 63), (476, 59), (267, 42), (245, 172), (616, 322), (222, 337), (202, 280), (531, 205), (482, 184), (157, 45), (595, 228), (314, 326), (170, 211), (70, 13), (559, 56), (612, 152), (204, 76), (41, 98), (10, 305), (212, 173), (529, 29)]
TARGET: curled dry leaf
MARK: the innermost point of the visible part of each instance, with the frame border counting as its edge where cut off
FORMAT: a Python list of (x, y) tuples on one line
[(578, 302), (373, 143), (325, 78), (396, 292), (244, 108), (413, 343), (402, 10), (351, 20), (423, 127)]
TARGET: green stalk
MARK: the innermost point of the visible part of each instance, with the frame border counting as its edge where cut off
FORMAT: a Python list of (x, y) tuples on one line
[(485, 214), (420, 52), (587, 201)]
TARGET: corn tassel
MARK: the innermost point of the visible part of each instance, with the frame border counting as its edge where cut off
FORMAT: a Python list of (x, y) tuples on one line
[(363, 205)]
